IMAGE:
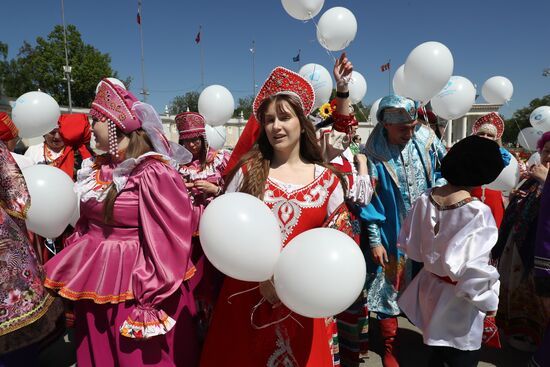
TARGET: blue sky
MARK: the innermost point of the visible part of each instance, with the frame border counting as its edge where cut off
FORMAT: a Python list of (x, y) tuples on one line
[(487, 38)]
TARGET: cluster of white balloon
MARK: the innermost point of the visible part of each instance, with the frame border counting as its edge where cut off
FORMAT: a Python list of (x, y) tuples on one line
[(319, 273), (35, 114), (336, 29), (216, 105), (540, 123), (427, 76)]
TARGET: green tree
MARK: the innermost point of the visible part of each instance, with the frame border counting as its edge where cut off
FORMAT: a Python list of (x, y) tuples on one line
[(520, 119), (3, 65), (41, 67), (180, 103), (3, 50), (244, 105), (361, 111)]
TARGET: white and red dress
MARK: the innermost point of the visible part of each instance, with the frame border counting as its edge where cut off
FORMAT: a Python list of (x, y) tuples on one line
[(232, 339)]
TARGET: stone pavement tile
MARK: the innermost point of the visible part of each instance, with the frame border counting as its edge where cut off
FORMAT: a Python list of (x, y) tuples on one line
[(413, 352)]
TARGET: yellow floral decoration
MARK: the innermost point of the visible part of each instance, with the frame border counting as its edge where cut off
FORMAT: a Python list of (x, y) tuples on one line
[(326, 110)]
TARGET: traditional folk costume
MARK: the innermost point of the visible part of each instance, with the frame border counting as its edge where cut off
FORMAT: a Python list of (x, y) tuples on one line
[(522, 315), (76, 132), (352, 324), (41, 154), (491, 123), (207, 281), (400, 174), (542, 271), (28, 313), (8, 132), (129, 278), (246, 330), (449, 297)]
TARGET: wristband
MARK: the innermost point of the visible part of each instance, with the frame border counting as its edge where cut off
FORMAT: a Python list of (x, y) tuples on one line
[(342, 95)]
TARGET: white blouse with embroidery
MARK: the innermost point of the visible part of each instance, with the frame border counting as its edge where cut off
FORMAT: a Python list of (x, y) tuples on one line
[(334, 201)]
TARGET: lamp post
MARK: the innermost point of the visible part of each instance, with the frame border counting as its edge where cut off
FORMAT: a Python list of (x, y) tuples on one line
[(66, 69)]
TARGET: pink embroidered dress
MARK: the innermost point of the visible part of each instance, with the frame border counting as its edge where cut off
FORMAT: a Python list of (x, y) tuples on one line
[(216, 161), (129, 277), (28, 313), (207, 281), (232, 339)]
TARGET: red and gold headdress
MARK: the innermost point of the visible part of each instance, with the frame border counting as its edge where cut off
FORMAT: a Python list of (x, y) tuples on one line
[(284, 81), (491, 122), (8, 130), (190, 125)]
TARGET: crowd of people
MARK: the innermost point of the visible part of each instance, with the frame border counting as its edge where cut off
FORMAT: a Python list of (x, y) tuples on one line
[(132, 279)]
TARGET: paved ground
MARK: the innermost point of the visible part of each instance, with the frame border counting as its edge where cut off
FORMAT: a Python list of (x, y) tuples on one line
[(415, 354)]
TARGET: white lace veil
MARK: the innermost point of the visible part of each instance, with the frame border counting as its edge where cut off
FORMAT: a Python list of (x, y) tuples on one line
[(152, 125)]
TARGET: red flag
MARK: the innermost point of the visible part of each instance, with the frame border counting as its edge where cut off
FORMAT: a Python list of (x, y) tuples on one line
[(385, 67), (198, 38), (139, 13)]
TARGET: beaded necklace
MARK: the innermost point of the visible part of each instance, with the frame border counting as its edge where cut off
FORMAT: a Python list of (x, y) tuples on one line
[(48, 159)]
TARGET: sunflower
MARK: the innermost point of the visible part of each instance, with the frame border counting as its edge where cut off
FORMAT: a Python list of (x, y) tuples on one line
[(326, 110)]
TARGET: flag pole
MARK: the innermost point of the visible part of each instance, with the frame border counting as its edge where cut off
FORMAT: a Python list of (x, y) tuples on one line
[(389, 76), (143, 88), (202, 57), (66, 69), (253, 68)]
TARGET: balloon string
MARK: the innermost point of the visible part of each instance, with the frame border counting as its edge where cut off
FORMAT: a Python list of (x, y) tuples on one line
[(322, 40), (50, 242), (256, 307), (253, 324), (243, 292)]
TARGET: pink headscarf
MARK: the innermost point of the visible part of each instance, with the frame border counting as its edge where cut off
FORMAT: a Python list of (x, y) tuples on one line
[(543, 140)]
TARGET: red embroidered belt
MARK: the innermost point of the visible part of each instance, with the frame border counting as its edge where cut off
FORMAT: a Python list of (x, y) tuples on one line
[(445, 279)]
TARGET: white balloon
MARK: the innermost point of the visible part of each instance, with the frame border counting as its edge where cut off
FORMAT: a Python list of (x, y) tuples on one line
[(455, 99), (216, 136), (49, 187), (497, 89), (320, 79), (529, 137), (241, 237), (427, 70), (398, 82), (35, 114), (540, 118), (320, 273), (357, 87), (22, 161), (373, 110), (336, 28), (216, 105), (533, 159), (508, 178), (302, 9), (114, 81)]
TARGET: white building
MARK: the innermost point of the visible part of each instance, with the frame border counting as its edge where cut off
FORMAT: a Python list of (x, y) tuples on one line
[(452, 130)]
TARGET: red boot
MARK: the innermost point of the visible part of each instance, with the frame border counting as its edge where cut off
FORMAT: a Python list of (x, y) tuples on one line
[(388, 330)]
